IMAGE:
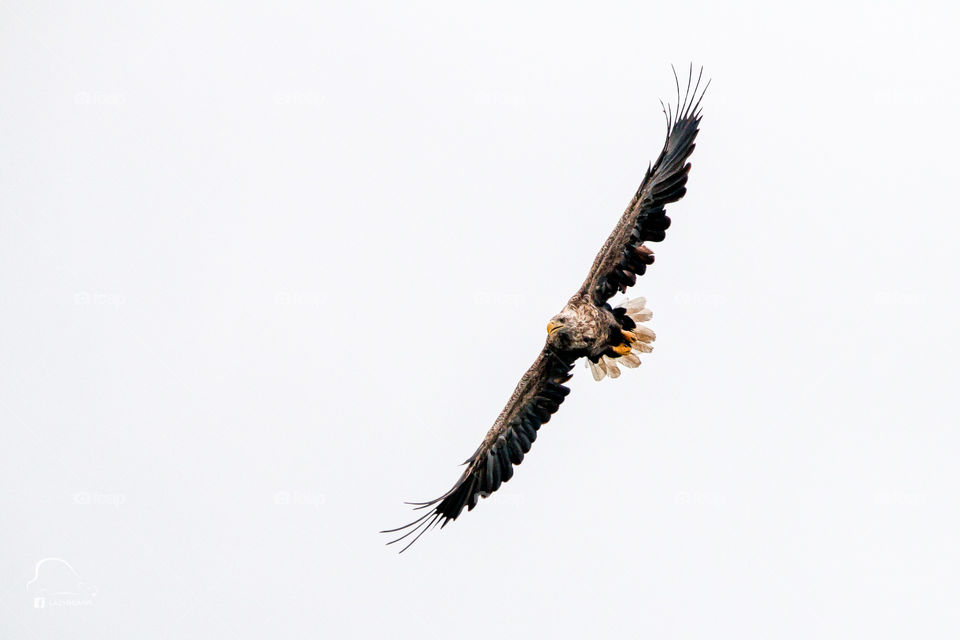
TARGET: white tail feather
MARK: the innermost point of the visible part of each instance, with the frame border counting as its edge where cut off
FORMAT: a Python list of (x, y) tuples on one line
[(637, 309), (595, 369), (644, 334), (639, 339), (631, 361), (612, 369)]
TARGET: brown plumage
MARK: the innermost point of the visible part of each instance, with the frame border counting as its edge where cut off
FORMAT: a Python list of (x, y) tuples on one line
[(587, 327)]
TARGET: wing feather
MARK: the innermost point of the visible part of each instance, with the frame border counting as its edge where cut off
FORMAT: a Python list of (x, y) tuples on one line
[(535, 399), (624, 255)]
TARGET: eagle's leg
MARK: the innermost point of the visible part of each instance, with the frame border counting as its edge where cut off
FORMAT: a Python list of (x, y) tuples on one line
[(633, 338)]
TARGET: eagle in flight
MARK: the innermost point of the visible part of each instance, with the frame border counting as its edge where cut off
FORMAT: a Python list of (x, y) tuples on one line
[(587, 327)]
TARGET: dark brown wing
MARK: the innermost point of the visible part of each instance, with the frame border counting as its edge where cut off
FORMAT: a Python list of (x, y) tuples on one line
[(624, 256), (536, 398)]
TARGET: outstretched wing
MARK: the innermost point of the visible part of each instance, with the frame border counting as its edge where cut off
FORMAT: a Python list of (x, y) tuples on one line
[(536, 398), (624, 255)]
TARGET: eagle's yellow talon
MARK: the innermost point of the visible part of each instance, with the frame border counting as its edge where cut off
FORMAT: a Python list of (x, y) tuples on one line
[(639, 334), (622, 349)]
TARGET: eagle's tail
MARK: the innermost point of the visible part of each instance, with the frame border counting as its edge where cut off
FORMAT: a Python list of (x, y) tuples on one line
[(636, 338)]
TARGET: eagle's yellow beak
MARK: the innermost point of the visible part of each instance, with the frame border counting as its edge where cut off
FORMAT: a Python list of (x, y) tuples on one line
[(553, 327)]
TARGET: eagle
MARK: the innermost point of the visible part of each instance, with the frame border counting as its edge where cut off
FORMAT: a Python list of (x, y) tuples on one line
[(606, 335)]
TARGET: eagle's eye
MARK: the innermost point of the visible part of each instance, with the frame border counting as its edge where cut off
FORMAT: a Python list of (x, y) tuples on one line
[(553, 326)]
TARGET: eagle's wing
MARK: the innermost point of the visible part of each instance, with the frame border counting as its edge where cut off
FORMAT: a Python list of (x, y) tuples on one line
[(624, 255), (536, 398)]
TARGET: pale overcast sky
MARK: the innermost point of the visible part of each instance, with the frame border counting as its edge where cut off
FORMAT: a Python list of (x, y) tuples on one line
[(268, 271)]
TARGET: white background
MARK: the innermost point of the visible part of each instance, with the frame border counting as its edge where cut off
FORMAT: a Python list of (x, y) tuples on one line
[(269, 271)]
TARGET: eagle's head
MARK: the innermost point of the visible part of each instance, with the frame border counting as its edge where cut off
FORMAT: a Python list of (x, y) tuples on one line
[(569, 330)]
